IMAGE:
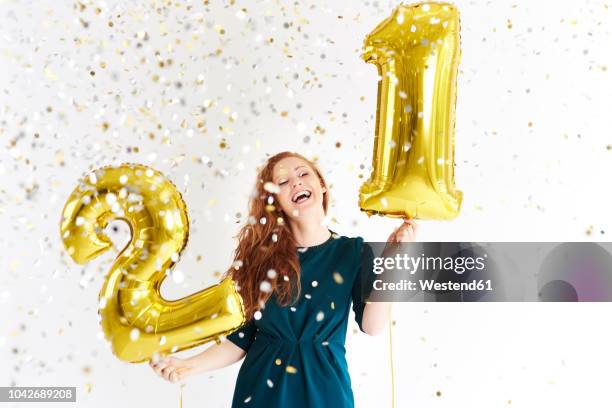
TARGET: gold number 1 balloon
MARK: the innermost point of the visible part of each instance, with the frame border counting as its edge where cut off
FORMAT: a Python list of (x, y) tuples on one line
[(416, 51), (136, 319)]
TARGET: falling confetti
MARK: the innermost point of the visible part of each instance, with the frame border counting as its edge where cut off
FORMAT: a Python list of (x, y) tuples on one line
[(205, 91), (338, 278)]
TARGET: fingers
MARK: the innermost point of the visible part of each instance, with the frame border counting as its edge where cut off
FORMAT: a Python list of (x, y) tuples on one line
[(392, 236), (412, 222), (407, 231), (159, 366), (181, 373), (170, 374), (406, 235), (168, 369)]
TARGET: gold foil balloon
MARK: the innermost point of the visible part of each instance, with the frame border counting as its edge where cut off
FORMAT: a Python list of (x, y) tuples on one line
[(416, 51), (136, 319)]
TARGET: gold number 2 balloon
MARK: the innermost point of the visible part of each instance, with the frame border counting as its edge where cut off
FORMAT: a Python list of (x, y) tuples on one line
[(416, 51), (136, 319)]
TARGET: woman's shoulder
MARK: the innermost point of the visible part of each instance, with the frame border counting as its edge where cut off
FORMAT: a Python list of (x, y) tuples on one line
[(348, 243), (349, 250)]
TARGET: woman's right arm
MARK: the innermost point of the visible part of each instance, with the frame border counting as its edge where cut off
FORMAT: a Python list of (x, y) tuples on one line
[(217, 356)]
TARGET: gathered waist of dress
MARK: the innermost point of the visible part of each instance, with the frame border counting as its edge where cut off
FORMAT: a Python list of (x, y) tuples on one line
[(312, 340)]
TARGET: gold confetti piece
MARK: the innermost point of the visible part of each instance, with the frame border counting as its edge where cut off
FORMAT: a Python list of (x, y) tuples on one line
[(50, 75), (291, 369), (278, 361), (338, 278)]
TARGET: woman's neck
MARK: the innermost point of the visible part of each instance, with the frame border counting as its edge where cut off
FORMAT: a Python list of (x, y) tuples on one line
[(309, 233)]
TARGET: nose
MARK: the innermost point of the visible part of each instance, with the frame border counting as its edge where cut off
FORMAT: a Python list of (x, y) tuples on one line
[(296, 182)]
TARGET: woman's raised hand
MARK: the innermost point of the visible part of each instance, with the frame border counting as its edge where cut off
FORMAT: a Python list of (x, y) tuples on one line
[(405, 232), (171, 368)]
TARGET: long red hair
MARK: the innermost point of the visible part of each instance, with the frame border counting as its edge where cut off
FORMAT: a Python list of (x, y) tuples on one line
[(266, 259)]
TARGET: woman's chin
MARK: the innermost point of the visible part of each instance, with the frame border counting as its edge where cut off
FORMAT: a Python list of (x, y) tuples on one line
[(305, 209)]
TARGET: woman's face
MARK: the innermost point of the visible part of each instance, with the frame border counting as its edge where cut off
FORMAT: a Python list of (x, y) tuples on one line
[(300, 192)]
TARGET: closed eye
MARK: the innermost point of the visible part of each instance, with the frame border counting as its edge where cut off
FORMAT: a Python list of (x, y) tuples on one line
[(303, 174), (282, 182)]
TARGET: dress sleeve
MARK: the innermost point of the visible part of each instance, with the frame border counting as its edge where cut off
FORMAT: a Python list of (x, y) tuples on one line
[(244, 336), (360, 287)]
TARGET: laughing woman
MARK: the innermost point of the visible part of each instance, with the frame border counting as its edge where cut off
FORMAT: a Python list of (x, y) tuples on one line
[(297, 280)]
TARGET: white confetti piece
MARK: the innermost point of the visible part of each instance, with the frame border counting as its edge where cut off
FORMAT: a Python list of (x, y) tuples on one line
[(134, 334)]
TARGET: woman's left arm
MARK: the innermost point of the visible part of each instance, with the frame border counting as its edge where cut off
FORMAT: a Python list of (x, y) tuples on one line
[(376, 314)]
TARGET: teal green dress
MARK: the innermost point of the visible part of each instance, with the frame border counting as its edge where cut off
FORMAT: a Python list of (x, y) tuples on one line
[(295, 355)]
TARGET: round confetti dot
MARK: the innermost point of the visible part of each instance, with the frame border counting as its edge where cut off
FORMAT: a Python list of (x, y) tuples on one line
[(134, 334), (111, 198), (265, 286)]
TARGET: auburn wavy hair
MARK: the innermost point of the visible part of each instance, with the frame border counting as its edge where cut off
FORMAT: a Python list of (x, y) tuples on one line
[(266, 259)]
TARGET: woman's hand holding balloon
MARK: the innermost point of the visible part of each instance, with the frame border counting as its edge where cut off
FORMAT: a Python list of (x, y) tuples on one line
[(171, 368)]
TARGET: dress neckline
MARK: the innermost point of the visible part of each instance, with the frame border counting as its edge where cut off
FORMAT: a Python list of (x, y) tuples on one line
[(329, 240)]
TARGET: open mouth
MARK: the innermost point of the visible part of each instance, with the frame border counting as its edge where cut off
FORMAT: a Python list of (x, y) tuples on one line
[(301, 196)]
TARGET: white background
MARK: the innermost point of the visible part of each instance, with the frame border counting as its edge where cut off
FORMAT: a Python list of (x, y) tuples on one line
[(533, 158)]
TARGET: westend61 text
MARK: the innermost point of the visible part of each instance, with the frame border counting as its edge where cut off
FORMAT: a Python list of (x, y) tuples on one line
[(432, 285)]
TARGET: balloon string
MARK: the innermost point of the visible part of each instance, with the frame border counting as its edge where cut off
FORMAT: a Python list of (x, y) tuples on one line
[(391, 360), (181, 396)]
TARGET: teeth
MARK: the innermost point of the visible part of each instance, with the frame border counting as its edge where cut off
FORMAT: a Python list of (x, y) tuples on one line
[(300, 195)]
